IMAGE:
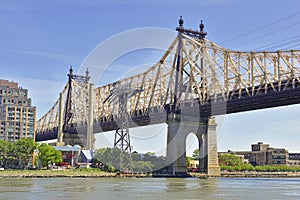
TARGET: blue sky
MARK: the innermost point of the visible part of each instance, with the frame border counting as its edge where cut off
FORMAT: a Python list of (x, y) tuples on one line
[(41, 39)]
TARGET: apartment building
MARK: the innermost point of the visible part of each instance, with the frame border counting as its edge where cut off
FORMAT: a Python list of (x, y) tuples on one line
[(17, 115)]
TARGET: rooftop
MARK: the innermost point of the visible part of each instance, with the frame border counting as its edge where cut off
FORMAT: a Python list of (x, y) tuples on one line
[(9, 84)]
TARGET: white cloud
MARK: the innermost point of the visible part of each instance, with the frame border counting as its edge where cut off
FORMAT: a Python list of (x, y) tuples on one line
[(37, 53)]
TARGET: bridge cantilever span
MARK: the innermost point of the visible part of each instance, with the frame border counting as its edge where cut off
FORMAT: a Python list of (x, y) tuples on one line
[(226, 76), (193, 73)]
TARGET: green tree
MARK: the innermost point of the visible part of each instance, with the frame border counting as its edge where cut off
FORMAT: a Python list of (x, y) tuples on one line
[(111, 158), (158, 162), (149, 156), (229, 160), (195, 155), (135, 156), (142, 166), (48, 154), (188, 161), (11, 154), (3, 150), (105, 155), (25, 148), (150, 153)]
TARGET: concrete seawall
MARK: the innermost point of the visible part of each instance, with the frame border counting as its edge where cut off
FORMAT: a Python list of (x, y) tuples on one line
[(260, 174), (100, 174)]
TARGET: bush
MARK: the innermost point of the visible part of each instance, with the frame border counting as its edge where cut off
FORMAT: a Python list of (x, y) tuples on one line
[(266, 168), (248, 167), (243, 167), (277, 168)]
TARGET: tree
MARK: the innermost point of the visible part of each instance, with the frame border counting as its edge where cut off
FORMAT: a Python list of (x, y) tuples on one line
[(195, 155), (105, 155), (147, 163), (135, 156), (110, 157), (229, 160), (3, 150), (25, 148), (142, 166), (157, 162), (188, 161), (48, 154), (150, 153), (11, 153)]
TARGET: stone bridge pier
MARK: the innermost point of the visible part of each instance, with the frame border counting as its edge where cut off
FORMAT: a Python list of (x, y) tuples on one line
[(205, 130)]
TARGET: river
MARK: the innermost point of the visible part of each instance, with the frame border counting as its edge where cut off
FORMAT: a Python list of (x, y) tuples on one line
[(149, 188)]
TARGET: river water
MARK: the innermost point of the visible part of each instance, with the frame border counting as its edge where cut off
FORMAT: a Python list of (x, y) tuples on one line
[(149, 188)]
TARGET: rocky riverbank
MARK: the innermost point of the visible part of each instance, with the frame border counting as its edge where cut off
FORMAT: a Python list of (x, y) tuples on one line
[(65, 173), (260, 174), (53, 173), (99, 174)]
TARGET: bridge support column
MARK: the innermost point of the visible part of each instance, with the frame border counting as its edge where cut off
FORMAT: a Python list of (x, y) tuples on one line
[(176, 146), (208, 151), (213, 168), (60, 133), (90, 131), (203, 149)]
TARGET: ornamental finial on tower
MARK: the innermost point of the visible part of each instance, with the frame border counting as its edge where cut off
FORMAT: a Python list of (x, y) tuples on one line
[(181, 22), (71, 70), (202, 33), (192, 33), (87, 72), (201, 26)]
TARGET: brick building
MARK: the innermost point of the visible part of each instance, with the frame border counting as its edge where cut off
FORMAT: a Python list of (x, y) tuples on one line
[(17, 115), (294, 159), (262, 154)]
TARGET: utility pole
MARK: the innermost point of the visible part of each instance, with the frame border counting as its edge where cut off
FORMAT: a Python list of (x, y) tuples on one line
[(120, 95)]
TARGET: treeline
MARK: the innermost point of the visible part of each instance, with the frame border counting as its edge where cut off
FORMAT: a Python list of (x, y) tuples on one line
[(266, 168), (25, 154), (112, 159), (232, 163)]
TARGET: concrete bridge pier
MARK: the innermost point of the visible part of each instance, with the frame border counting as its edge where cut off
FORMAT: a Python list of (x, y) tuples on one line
[(208, 151), (205, 130), (176, 146)]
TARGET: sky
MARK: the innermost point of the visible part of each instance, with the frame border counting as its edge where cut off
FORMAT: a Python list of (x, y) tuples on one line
[(39, 40)]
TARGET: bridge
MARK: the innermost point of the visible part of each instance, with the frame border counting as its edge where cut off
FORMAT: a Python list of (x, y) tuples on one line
[(194, 81)]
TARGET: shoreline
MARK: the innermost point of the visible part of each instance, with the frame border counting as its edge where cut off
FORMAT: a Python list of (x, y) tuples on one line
[(260, 174), (101, 174)]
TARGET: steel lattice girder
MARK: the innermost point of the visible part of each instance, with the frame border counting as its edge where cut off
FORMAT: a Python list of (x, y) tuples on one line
[(210, 74)]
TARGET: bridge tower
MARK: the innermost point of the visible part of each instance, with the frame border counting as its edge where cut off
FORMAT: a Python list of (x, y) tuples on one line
[(72, 131), (181, 123)]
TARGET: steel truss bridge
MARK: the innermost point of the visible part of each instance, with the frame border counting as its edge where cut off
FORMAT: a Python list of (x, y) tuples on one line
[(195, 76)]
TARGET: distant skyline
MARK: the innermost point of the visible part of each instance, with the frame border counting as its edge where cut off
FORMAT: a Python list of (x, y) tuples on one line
[(40, 40)]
